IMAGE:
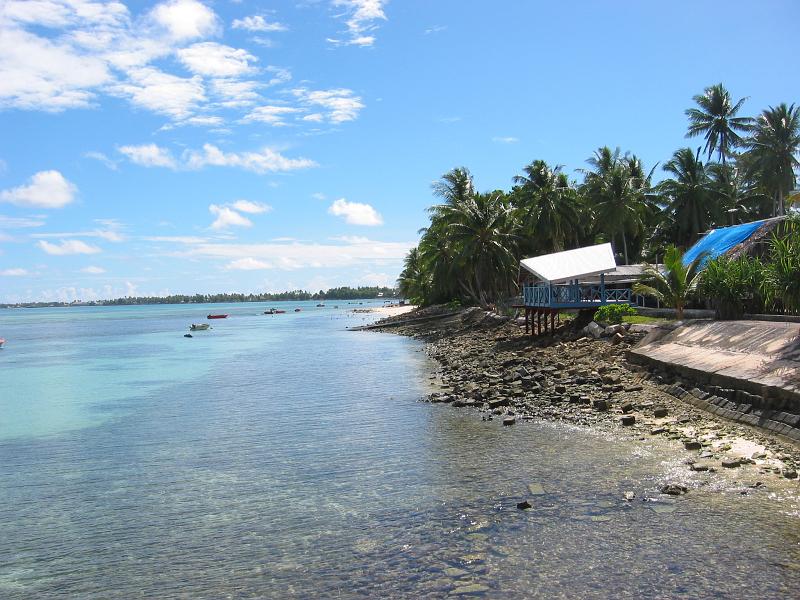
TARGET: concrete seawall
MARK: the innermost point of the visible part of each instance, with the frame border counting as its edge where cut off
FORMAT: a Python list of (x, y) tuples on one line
[(746, 371)]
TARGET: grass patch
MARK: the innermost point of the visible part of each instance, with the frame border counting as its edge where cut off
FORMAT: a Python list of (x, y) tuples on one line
[(641, 320)]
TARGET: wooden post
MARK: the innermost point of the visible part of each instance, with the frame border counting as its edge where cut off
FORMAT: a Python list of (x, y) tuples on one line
[(552, 321), (602, 288), (527, 317)]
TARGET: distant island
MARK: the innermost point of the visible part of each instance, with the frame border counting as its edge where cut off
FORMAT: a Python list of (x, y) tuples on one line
[(339, 293)]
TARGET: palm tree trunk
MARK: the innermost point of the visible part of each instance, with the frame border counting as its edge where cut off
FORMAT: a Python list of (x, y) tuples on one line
[(781, 208), (625, 246)]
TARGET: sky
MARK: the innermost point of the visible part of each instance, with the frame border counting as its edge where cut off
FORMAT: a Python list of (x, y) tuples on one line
[(197, 146)]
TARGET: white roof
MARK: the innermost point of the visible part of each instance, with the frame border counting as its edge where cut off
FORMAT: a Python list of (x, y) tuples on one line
[(572, 264)]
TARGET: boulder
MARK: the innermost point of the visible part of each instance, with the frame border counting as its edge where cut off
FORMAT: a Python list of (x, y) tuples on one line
[(524, 505), (660, 412), (594, 330), (627, 420), (509, 421), (674, 489)]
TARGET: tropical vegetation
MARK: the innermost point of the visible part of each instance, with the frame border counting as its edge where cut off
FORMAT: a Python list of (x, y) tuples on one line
[(746, 170)]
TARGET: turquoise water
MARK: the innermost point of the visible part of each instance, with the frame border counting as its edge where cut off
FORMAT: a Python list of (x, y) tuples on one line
[(283, 456)]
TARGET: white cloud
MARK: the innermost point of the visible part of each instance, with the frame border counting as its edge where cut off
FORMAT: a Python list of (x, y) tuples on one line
[(19, 222), (435, 29), (318, 196), (362, 16), (216, 60), (253, 208), (265, 161), (341, 104), (233, 93), (505, 140), (162, 92), (176, 239), (149, 155), (272, 115), (47, 189), (186, 19), (111, 234), (93, 270), (68, 247), (16, 272), (227, 217), (257, 23), (99, 156), (247, 264), (355, 213), (38, 73)]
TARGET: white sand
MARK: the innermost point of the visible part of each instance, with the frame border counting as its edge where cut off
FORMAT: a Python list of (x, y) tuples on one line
[(393, 310)]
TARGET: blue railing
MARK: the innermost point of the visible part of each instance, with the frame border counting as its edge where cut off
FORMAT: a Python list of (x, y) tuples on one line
[(574, 296)]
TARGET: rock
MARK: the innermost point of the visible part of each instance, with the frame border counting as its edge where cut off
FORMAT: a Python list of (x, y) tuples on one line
[(674, 489), (536, 489), (627, 420), (509, 421), (626, 407), (658, 431), (692, 445), (600, 404), (700, 467), (660, 412), (629, 496), (594, 330), (459, 403), (790, 473), (524, 505), (454, 572), (468, 590), (617, 338), (731, 463)]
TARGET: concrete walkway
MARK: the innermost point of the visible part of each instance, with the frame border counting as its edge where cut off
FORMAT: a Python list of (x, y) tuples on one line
[(761, 357)]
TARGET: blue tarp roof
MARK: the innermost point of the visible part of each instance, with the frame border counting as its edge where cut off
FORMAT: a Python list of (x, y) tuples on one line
[(719, 241)]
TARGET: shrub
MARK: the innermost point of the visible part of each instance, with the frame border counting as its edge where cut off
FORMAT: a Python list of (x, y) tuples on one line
[(613, 313), (734, 286), (783, 270)]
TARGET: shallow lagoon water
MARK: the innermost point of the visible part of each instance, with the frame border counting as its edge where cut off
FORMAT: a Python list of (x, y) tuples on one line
[(283, 456)]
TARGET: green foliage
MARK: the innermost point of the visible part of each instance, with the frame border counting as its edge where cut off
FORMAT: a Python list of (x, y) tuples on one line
[(673, 285), (734, 286), (782, 273), (614, 313)]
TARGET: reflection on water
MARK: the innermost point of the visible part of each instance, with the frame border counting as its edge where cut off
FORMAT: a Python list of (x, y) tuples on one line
[(290, 458)]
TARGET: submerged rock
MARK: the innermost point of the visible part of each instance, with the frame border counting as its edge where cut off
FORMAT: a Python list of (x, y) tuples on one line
[(674, 489), (524, 505)]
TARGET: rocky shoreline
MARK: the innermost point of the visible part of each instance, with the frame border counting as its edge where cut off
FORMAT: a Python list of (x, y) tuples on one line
[(487, 363)]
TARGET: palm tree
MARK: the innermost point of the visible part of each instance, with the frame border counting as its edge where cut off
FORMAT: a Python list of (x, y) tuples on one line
[(737, 196), (687, 195), (483, 235), (547, 207), (616, 187), (413, 281), (773, 150), (454, 186), (675, 284), (715, 119)]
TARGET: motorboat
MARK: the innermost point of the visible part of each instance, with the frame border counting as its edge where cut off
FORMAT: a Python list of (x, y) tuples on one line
[(216, 316), (296, 310), (199, 326), (320, 305), (2, 341)]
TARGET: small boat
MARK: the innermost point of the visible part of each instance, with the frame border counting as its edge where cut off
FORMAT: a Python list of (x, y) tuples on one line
[(271, 311), (216, 316), (280, 312), (187, 335), (296, 310), (199, 326), (2, 341), (320, 305)]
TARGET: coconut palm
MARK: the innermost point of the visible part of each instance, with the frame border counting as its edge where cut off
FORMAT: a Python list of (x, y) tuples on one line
[(736, 195), (673, 285), (773, 150), (715, 119), (616, 187), (413, 280), (548, 207), (687, 196)]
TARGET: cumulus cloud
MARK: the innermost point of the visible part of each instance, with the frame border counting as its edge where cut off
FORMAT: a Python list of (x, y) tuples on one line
[(16, 272), (339, 105), (93, 270), (265, 161), (227, 218), (355, 213), (185, 19), (160, 92), (216, 60), (46, 189), (149, 155), (253, 208), (361, 19), (257, 23), (67, 247), (247, 264), (272, 115)]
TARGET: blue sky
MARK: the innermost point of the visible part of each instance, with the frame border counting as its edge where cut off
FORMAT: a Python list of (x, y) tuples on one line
[(186, 146)]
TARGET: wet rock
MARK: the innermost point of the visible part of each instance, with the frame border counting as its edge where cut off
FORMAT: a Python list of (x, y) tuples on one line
[(509, 421), (658, 431), (626, 407), (627, 420), (700, 467), (674, 489), (660, 412), (536, 489), (629, 496), (790, 473), (731, 463), (470, 590), (600, 404), (524, 505), (692, 445), (454, 572)]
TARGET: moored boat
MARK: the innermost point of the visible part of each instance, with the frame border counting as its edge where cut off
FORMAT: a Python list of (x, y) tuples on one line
[(199, 326), (296, 310), (216, 316), (2, 341)]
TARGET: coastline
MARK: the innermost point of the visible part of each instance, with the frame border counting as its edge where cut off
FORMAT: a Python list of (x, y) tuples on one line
[(487, 363)]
